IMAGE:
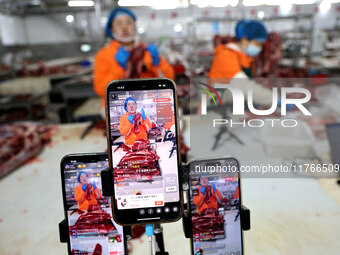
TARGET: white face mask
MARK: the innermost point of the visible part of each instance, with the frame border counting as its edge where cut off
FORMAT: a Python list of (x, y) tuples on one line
[(129, 39), (253, 50)]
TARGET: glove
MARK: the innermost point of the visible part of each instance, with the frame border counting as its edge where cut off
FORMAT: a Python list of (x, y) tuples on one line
[(130, 118), (213, 186), (202, 189), (143, 114), (152, 49), (122, 56), (84, 187), (94, 185), (289, 107)]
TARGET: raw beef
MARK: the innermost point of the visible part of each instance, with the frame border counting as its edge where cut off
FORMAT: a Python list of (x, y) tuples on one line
[(88, 191), (268, 60), (135, 62), (137, 231), (20, 142), (155, 131), (140, 162), (208, 225), (208, 193), (93, 222), (97, 250), (140, 144), (136, 123), (93, 208)]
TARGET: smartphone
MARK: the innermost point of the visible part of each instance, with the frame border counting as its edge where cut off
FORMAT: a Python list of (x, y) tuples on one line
[(215, 204), (88, 213), (144, 150)]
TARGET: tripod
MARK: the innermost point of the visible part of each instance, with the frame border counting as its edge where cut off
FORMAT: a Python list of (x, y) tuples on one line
[(224, 129)]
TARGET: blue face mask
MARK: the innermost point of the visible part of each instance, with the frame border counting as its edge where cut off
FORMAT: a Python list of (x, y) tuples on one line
[(253, 50)]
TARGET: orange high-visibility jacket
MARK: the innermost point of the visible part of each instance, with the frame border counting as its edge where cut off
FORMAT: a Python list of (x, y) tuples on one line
[(229, 67), (107, 69), (228, 61), (212, 204), (126, 129), (79, 194)]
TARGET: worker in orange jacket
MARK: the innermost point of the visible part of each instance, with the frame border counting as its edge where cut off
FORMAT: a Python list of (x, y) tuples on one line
[(127, 121), (208, 196), (232, 62), (111, 61), (81, 191)]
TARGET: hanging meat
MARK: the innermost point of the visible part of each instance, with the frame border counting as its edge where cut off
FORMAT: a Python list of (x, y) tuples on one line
[(93, 222), (139, 163), (135, 62), (136, 122), (208, 225), (268, 60), (208, 193), (88, 191)]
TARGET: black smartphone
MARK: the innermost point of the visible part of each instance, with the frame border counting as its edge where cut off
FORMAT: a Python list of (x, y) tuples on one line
[(88, 213), (144, 150), (215, 204)]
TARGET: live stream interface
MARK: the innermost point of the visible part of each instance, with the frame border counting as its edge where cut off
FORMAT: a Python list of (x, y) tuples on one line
[(143, 139), (215, 210), (91, 227)]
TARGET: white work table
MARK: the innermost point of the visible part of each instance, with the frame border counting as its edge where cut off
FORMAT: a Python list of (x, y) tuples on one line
[(288, 216)]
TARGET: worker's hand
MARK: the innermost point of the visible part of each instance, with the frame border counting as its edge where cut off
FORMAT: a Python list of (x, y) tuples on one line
[(130, 118), (142, 112), (122, 56), (152, 49), (94, 185), (84, 187), (213, 186), (202, 189)]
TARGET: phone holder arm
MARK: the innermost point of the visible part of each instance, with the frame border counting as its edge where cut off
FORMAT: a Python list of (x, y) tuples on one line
[(63, 232), (107, 182)]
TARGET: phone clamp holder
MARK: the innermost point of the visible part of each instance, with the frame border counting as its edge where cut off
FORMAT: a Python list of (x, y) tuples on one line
[(63, 232)]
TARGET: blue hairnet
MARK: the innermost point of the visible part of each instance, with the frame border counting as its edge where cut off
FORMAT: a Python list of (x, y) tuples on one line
[(79, 174), (239, 29), (252, 30), (202, 175), (127, 100), (114, 13)]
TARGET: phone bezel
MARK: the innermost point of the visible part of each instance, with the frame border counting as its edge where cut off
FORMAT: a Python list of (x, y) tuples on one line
[(130, 216), (189, 197), (80, 157)]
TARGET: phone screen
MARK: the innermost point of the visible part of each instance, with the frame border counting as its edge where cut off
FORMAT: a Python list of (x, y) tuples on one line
[(89, 214), (143, 140), (215, 203)]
